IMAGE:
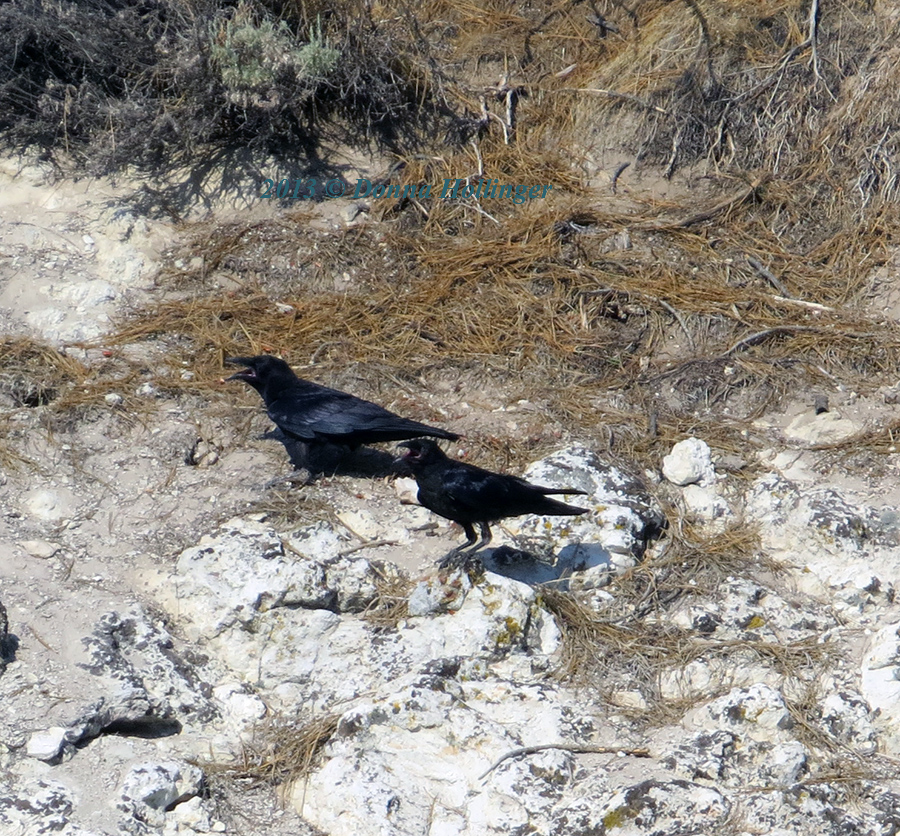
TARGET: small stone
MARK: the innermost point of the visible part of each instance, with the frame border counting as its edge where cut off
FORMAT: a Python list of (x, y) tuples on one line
[(705, 503), (407, 490), (46, 745), (48, 505), (113, 399), (824, 428), (628, 699), (352, 212), (158, 786), (690, 462), (360, 523), (145, 390), (192, 814), (42, 549)]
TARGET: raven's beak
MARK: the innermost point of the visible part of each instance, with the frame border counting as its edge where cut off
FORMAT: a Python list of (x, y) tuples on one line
[(247, 374), (402, 459)]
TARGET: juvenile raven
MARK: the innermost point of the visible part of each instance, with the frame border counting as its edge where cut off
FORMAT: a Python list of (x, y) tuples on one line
[(468, 494), (318, 415)]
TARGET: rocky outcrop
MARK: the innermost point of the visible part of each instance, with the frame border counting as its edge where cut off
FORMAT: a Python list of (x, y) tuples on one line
[(445, 706)]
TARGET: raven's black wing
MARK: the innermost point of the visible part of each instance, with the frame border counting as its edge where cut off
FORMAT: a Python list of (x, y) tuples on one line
[(487, 496), (310, 412)]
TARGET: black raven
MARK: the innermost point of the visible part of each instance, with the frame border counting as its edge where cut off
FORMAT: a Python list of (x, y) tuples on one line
[(318, 415), (468, 494)]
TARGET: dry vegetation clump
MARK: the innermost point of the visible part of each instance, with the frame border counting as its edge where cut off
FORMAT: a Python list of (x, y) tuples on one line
[(219, 87), (391, 605), (283, 750), (632, 639), (35, 374)]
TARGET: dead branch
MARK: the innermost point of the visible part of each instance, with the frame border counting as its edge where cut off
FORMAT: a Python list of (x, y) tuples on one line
[(790, 329), (613, 185), (614, 94), (371, 544), (566, 747), (699, 217), (769, 276), (814, 306), (680, 320), (814, 36), (705, 40), (769, 80)]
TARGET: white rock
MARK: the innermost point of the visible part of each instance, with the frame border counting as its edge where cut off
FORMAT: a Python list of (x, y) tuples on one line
[(362, 524), (45, 807), (407, 490), (758, 712), (153, 787), (417, 756), (40, 548), (318, 541), (880, 684), (437, 594), (354, 582), (825, 428), (690, 462), (240, 572), (785, 763), (846, 716), (193, 815), (50, 506), (113, 399), (622, 516), (704, 503), (88, 295), (309, 655), (46, 745), (662, 808), (241, 706)]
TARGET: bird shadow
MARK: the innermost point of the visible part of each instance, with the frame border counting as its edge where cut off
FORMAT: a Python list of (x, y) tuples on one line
[(326, 459), (520, 565)]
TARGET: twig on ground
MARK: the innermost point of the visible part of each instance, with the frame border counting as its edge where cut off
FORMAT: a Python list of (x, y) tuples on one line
[(613, 94), (613, 185), (371, 544), (575, 748), (769, 276), (680, 320), (705, 215), (814, 36)]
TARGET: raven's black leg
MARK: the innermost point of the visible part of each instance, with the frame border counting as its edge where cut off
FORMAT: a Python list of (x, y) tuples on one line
[(470, 537), (485, 538), (456, 558), (463, 557)]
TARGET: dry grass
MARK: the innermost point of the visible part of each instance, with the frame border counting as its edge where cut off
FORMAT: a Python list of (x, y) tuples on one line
[(282, 752), (35, 374), (632, 639), (391, 605)]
